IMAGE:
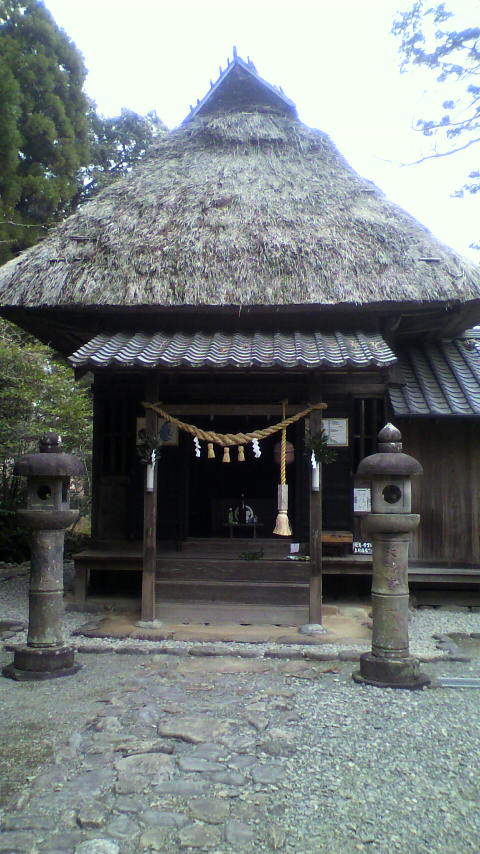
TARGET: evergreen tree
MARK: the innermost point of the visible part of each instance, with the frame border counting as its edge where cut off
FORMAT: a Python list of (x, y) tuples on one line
[(43, 113), (116, 145), (9, 146), (38, 393)]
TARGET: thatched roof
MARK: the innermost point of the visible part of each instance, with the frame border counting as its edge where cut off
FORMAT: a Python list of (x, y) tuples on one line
[(239, 207)]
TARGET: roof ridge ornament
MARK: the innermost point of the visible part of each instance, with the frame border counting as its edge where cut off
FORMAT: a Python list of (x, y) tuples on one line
[(240, 84)]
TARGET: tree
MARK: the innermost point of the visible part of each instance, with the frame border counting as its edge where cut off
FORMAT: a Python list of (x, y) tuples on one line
[(55, 150), (116, 145), (43, 117), (429, 38), (38, 393)]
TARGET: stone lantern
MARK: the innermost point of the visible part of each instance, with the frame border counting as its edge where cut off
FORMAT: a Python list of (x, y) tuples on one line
[(47, 514), (390, 523)]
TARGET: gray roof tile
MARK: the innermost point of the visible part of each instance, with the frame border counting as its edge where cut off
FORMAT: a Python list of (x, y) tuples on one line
[(440, 379), (237, 350)]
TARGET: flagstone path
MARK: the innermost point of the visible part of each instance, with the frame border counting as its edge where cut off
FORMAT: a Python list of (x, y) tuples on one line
[(189, 754)]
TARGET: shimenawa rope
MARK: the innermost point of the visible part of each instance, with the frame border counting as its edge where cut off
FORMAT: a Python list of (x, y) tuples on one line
[(226, 439)]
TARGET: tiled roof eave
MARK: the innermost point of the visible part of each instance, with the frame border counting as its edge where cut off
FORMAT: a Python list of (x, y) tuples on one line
[(442, 380), (238, 350)]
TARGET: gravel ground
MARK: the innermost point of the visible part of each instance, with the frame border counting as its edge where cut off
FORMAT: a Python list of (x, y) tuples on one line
[(372, 770)]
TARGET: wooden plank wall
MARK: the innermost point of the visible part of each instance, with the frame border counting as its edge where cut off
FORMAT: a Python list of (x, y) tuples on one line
[(448, 494)]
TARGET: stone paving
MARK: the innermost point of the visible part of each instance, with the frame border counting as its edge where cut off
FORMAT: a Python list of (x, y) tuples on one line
[(341, 625), (189, 754), (193, 749)]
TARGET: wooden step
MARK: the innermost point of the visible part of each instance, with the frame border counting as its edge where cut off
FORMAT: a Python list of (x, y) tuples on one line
[(247, 614), (232, 591), (235, 546), (198, 568)]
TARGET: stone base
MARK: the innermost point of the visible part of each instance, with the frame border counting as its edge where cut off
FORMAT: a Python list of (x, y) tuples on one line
[(35, 664), (390, 673), (312, 629), (12, 672)]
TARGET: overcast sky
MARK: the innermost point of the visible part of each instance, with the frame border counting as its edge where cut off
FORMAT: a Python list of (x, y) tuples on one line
[(335, 58)]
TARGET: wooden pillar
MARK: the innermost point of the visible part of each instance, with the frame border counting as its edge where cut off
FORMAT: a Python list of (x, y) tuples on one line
[(315, 598), (97, 459), (149, 517)]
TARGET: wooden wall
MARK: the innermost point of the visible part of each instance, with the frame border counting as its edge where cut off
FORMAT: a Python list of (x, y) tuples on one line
[(448, 494)]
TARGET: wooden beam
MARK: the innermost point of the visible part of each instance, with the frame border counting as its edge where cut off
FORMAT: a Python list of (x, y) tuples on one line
[(315, 595), (353, 388), (242, 409), (149, 563)]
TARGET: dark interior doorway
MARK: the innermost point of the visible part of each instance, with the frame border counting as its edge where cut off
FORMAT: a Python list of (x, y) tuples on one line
[(215, 486)]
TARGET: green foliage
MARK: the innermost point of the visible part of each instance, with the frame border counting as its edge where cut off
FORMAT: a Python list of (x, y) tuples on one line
[(44, 121), (152, 444), (429, 38), (318, 445), (253, 555), (55, 150), (116, 145), (37, 393)]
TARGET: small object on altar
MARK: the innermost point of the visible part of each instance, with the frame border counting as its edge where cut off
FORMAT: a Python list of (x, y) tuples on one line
[(242, 512)]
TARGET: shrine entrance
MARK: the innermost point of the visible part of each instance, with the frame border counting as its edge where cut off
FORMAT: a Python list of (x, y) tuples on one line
[(217, 490)]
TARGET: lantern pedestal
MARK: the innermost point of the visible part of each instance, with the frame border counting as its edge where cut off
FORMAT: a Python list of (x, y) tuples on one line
[(390, 673), (34, 664)]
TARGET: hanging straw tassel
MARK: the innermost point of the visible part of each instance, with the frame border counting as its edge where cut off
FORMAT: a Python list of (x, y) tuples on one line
[(282, 526), (226, 455), (241, 454), (210, 451)]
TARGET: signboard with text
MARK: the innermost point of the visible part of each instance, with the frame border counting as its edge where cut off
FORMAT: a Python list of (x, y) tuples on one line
[(362, 501), (336, 430), (362, 548)]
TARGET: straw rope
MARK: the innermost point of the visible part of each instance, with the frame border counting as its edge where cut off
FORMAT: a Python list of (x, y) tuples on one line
[(283, 451), (227, 439)]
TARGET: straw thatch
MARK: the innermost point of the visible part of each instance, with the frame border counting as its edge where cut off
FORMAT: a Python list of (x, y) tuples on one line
[(239, 208)]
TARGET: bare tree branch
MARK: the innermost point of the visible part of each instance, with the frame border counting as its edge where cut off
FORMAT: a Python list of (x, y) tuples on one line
[(437, 154)]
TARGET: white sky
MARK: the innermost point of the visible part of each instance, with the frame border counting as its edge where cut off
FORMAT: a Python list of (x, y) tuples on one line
[(335, 59)]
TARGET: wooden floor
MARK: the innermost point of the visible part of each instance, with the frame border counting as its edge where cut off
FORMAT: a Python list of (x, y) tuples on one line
[(240, 573)]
